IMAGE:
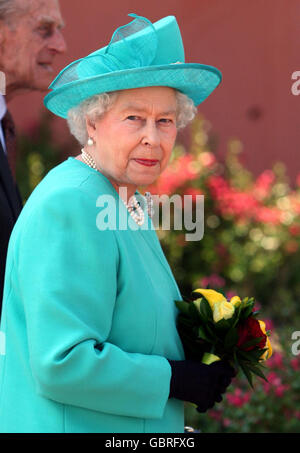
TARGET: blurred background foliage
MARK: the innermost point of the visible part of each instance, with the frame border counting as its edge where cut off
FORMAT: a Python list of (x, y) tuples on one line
[(250, 247), (38, 153)]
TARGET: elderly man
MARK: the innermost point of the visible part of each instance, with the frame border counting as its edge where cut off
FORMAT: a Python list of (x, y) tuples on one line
[(30, 38)]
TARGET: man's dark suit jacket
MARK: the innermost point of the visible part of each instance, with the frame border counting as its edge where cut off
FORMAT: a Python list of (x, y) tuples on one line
[(10, 208)]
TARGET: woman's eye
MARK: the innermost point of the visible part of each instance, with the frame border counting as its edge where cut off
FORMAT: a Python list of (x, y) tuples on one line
[(165, 121), (133, 118)]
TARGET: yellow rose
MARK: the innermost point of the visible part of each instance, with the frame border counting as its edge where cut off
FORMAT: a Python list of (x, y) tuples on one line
[(211, 296), (222, 310), (267, 354), (236, 301)]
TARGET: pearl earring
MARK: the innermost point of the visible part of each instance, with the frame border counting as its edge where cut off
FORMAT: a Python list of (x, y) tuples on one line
[(90, 141)]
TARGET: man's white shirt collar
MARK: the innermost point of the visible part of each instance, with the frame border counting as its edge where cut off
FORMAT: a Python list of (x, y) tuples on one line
[(3, 107)]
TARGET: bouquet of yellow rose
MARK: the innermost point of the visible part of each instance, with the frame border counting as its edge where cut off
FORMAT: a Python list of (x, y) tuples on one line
[(213, 328)]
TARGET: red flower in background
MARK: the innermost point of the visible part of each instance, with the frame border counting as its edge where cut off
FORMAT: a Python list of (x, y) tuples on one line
[(175, 175), (247, 205), (263, 184), (275, 384), (249, 330), (238, 398), (212, 281), (294, 230), (217, 185), (265, 214), (295, 363)]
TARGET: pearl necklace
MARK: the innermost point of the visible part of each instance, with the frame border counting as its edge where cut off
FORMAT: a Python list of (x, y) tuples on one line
[(88, 159), (133, 206)]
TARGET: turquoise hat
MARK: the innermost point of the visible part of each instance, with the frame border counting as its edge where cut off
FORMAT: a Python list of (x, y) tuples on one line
[(140, 54)]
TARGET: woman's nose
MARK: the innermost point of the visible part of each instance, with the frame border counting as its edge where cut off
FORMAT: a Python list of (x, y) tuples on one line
[(151, 134)]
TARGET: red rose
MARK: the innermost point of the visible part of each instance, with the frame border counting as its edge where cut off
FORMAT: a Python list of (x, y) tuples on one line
[(249, 330)]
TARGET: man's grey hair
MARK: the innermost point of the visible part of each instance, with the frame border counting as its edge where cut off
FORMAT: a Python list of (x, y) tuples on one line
[(9, 9), (95, 106)]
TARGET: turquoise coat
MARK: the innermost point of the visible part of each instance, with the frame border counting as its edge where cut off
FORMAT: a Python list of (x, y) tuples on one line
[(88, 317)]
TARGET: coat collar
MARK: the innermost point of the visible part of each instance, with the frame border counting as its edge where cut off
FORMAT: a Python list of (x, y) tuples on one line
[(8, 184)]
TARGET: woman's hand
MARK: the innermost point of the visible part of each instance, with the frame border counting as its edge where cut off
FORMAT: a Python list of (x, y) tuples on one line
[(198, 383)]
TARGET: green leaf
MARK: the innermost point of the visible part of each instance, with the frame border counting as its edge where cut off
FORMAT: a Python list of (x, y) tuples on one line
[(202, 334), (251, 356), (236, 316), (205, 310), (223, 325), (182, 306), (246, 312), (193, 312), (231, 339), (185, 321), (211, 332), (250, 301), (195, 295), (255, 354), (255, 313), (246, 372), (252, 342), (235, 359), (256, 370)]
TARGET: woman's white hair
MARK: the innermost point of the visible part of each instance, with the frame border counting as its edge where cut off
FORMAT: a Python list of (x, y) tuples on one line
[(95, 106)]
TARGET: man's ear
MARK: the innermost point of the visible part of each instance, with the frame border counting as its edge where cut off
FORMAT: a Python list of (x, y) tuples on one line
[(3, 29)]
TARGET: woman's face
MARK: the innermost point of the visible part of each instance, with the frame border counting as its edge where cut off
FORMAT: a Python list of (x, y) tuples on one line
[(135, 137)]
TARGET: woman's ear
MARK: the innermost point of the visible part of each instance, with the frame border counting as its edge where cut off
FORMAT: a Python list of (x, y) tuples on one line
[(90, 127)]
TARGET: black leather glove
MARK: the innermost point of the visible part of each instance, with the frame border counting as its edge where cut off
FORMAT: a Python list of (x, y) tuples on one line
[(198, 383)]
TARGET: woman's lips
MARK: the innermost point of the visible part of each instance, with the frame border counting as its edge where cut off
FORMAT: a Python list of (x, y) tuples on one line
[(147, 162)]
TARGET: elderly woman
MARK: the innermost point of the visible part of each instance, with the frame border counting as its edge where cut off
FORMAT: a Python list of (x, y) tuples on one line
[(89, 318)]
